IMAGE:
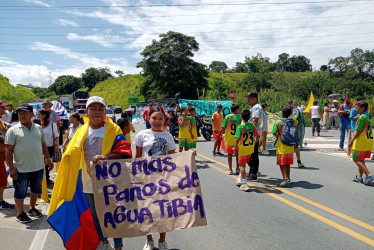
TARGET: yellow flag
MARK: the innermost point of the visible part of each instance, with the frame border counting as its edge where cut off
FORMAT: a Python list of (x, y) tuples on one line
[(310, 104)]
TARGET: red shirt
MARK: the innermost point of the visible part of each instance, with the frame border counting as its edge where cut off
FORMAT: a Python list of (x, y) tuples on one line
[(146, 114)]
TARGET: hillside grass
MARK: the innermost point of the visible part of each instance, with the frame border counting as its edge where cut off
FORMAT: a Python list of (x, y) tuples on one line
[(14, 95), (116, 91)]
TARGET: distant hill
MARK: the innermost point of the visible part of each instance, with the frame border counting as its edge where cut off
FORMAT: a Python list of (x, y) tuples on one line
[(14, 95), (116, 91)]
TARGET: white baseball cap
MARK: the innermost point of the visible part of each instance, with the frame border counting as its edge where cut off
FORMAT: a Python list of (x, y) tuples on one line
[(95, 99), (334, 101)]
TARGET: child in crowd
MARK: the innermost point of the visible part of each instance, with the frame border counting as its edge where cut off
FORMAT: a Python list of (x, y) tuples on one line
[(297, 116), (124, 124), (184, 130), (154, 142), (217, 119), (229, 126), (265, 108), (128, 116), (284, 152), (362, 143), (246, 137), (193, 139)]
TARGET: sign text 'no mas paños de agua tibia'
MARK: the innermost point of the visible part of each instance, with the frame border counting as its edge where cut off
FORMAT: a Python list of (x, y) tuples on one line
[(150, 195)]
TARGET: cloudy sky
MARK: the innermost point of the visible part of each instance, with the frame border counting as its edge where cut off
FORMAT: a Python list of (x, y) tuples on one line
[(42, 39)]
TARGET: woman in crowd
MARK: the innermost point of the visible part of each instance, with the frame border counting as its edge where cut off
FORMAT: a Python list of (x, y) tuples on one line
[(75, 122), (316, 113)]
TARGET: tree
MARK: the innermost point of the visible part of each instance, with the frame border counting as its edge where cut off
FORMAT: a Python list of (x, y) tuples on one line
[(220, 90), (94, 75), (259, 64), (218, 66), (119, 72), (300, 64), (66, 84), (284, 62), (240, 67), (42, 93), (168, 67), (323, 68)]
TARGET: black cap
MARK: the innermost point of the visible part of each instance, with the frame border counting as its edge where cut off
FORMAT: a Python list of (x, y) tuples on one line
[(219, 106), (25, 107), (252, 94), (264, 105)]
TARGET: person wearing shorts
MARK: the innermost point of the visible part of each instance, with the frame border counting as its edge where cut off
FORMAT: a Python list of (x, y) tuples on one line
[(25, 147), (217, 119), (185, 132), (284, 152), (193, 140), (246, 137), (229, 125), (362, 143)]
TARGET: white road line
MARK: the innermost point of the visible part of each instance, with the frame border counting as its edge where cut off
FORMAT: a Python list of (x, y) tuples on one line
[(42, 233)]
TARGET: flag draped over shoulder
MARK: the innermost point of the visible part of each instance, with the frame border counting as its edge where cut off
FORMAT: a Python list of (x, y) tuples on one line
[(69, 213)]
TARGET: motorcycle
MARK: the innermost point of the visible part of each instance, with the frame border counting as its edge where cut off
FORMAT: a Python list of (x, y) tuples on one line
[(204, 128)]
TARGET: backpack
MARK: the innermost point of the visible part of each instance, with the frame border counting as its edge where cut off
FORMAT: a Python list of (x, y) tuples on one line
[(289, 134)]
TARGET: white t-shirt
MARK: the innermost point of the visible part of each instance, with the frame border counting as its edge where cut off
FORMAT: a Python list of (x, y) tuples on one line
[(72, 131), (154, 143), (92, 146), (49, 138), (7, 117), (314, 112)]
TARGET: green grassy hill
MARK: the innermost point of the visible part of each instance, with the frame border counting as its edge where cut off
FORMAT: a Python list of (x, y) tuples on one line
[(14, 95), (116, 91)]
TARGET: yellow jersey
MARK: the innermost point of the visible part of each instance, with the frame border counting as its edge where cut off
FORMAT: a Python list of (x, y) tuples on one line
[(231, 123), (364, 142), (246, 132), (184, 127)]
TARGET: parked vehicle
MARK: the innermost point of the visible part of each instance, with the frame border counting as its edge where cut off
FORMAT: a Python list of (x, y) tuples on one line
[(82, 95), (117, 109), (110, 114), (204, 128)]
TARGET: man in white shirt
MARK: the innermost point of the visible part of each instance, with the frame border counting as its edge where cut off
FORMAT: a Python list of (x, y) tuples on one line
[(7, 117)]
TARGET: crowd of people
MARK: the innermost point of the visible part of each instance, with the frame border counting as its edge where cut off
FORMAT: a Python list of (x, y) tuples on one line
[(27, 144)]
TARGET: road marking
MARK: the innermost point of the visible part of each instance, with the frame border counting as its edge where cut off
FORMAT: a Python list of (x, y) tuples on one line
[(311, 202), (41, 235), (302, 209)]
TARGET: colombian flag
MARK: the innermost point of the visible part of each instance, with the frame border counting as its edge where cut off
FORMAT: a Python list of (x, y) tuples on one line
[(69, 213)]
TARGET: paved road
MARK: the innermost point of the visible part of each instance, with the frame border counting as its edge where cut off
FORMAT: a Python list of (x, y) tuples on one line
[(323, 208)]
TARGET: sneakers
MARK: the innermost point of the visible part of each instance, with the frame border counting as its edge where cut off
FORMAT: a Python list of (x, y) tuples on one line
[(219, 153), (229, 172), (149, 245), (33, 212), (163, 246), (356, 179), (252, 177), (265, 152), (23, 218), (369, 179), (214, 153), (340, 149), (6, 205), (244, 187), (285, 183), (239, 182), (237, 172), (300, 165)]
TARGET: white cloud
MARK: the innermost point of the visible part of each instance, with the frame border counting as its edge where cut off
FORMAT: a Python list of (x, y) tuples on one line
[(105, 40), (38, 2), (65, 22), (38, 75)]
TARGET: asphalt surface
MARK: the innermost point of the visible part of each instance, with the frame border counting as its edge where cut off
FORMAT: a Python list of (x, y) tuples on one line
[(322, 209)]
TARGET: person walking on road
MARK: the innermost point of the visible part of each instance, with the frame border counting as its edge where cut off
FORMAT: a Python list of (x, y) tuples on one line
[(333, 115), (3, 172), (256, 119), (326, 110), (264, 128), (217, 119), (51, 136), (25, 147), (345, 122), (146, 116), (362, 143), (316, 113)]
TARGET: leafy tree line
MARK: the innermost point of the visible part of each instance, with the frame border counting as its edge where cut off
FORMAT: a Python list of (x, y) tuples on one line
[(67, 84)]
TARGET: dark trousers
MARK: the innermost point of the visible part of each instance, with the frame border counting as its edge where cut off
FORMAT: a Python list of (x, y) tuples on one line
[(316, 125), (51, 151), (254, 162)]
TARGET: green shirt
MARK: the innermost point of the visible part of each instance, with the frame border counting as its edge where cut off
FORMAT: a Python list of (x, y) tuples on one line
[(28, 152)]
